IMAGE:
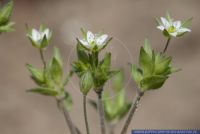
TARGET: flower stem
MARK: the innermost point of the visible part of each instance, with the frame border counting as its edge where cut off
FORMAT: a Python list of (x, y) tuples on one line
[(134, 106), (85, 114), (166, 46), (42, 58), (101, 113), (71, 126), (112, 128)]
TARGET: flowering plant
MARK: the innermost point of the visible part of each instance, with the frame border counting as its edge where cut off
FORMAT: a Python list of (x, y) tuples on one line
[(93, 73)]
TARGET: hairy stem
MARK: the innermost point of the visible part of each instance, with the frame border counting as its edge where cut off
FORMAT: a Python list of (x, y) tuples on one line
[(85, 114), (71, 126), (166, 46), (42, 58), (134, 106), (101, 113)]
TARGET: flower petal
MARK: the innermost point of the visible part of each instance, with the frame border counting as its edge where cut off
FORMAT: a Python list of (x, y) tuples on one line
[(174, 34), (101, 40), (35, 35), (46, 32), (161, 27), (166, 23), (183, 30), (84, 42), (177, 24), (90, 37)]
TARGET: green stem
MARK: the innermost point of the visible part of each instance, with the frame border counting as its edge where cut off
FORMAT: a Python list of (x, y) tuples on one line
[(71, 126), (166, 46), (101, 113), (134, 106), (42, 58), (85, 114)]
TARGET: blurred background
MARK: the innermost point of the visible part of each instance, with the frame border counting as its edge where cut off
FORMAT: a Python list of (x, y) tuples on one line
[(175, 106)]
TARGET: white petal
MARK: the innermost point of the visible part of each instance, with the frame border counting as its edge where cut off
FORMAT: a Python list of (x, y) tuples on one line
[(161, 27), (101, 40), (90, 37), (35, 35), (183, 30), (84, 42), (166, 23), (46, 32), (174, 34), (177, 24)]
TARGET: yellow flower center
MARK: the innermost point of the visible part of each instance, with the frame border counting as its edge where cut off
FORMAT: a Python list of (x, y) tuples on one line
[(171, 29)]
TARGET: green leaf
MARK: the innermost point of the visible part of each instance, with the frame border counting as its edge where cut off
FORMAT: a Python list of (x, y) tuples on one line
[(68, 78), (112, 73), (56, 71), (7, 28), (153, 82), (79, 68), (82, 55), (5, 13), (187, 23), (68, 101), (146, 62), (36, 74), (106, 62), (136, 74), (43, 91), (86, 82), (117, 82)]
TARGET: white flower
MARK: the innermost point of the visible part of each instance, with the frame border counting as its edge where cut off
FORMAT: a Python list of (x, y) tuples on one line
[(40, 38), (173, 28), (93, 40)]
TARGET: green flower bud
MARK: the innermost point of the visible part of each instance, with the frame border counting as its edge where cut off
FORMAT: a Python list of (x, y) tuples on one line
[(86, 82)]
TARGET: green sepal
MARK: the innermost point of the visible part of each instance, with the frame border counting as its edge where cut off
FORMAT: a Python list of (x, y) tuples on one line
[(187, 23), (44, 42), (162, 64), (82, 55), (106, 62), (136, 75), (83, 33), (43, 91), (57, 56)]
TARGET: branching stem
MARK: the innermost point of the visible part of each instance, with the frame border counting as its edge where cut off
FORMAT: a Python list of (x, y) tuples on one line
[(71, 126), (134, 106)]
